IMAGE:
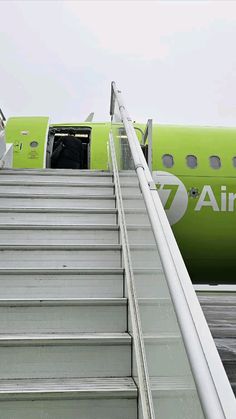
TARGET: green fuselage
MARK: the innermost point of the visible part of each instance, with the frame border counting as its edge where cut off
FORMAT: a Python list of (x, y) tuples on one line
[(199, 200)]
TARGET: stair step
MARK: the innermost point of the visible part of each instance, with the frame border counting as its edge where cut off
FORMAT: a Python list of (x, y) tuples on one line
[(39, 282), (23, 178), (74, 398), (65, 355), (59, 234), (61, 283), (39, 216), (63, 186), (73, 315), (71, 388), (68, 201), (73, 256), (56, 339), (11, 188), (47, 172), (55, 182), (56, 201), (60, 256)]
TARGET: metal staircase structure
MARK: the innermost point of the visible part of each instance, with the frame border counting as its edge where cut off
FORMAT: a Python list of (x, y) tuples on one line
[(99, 318)]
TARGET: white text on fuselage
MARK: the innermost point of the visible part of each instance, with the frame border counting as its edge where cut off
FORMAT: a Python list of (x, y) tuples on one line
[(207, 198)]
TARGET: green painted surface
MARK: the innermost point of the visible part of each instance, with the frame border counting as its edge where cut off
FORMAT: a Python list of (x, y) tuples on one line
[(25, 133), (202, 142)]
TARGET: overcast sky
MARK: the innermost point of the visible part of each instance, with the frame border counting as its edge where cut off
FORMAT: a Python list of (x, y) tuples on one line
[(175, 61)]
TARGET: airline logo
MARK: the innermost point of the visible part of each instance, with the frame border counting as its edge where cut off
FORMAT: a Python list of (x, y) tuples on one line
[(173, 195), (225, 201)]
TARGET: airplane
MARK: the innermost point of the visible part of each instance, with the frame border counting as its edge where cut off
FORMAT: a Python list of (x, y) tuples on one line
[(194, 169)]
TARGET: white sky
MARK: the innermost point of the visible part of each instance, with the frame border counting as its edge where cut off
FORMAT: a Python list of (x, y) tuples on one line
[(175, 61)]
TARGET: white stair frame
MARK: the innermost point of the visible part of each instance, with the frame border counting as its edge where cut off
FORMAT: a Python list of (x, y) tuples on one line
[(214, 390)]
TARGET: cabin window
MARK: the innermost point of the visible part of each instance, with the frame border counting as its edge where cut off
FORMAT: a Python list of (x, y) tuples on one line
[(191, 161), (234, 161), (168, 160), (215, 162)]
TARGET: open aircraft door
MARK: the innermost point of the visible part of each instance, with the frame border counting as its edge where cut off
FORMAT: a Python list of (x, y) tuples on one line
[(29, 137)]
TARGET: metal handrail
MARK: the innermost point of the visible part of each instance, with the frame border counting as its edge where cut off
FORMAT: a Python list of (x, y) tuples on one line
[(215, 393), (142, 370)]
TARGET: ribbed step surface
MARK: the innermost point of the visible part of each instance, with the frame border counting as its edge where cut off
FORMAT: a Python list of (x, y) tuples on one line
[(92, 398), (74, 388)]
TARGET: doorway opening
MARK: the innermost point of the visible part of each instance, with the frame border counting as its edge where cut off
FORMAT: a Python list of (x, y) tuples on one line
[(63, 151)]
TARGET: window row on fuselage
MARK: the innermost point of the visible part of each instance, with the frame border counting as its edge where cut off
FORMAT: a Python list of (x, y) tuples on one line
[(192, 161)]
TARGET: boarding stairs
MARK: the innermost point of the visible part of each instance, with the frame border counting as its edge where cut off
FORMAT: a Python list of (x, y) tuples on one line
[(64, 347), (99, 318)]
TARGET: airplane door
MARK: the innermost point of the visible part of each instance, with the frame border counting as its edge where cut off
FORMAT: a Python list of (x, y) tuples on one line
[(29, 137)]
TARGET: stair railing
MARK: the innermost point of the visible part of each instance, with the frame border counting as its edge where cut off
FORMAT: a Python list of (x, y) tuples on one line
[(142, 370), (214, 390)]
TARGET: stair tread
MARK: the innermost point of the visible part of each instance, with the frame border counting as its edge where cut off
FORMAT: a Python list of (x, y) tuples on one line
[(33, 247), (80, 271), (55, 385), (38, 339), (71, 226), (56, 183), (63, 183), (55, 195), (62, 301), (57, 172), (70, 210), (59, 210), (74, 246), (60, 227)]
